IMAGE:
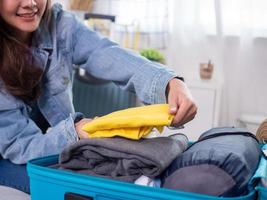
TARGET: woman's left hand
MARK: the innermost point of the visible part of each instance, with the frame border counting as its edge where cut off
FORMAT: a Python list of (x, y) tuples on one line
[(78, 126), (181, 102)]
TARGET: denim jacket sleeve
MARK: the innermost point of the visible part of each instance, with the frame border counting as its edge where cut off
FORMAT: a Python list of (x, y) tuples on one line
[(104, 59), (22, 140)]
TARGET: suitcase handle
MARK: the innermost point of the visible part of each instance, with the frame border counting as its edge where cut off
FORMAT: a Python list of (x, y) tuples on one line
[(73, 196)]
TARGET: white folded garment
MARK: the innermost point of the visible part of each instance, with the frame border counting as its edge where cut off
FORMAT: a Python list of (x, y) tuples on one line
[(146, 181)]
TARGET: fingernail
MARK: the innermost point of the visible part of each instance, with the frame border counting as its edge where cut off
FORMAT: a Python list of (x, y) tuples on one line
[(173, 109)]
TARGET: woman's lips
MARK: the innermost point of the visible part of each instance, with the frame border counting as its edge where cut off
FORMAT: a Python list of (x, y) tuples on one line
[(27, 16)]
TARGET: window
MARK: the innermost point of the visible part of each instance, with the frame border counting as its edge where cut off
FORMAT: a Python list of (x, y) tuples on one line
[(139, 23)]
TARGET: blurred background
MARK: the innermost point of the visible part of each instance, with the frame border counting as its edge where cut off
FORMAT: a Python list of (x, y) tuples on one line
[(219, 46)]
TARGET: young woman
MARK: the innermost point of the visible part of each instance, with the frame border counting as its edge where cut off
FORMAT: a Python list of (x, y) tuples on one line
[(39, 45)]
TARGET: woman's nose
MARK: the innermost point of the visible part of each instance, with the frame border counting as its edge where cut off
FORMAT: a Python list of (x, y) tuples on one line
[(29, 3)]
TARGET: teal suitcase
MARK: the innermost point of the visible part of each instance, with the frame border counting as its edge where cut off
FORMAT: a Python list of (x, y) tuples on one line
[(48, 183), (262, 193), (262, 173)]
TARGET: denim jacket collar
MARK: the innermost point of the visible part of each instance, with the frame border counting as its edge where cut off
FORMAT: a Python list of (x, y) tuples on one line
[(42, 38)]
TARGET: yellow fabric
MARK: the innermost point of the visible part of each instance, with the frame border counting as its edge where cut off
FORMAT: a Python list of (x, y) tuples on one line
[(132, 123)]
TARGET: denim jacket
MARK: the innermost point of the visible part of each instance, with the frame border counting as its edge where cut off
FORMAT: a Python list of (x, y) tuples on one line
[(69, 42)]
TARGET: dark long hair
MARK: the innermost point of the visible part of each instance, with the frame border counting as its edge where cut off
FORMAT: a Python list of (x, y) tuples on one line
[(18, 70)]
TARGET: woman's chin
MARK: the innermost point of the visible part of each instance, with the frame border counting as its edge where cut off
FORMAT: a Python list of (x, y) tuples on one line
[(28, 28)]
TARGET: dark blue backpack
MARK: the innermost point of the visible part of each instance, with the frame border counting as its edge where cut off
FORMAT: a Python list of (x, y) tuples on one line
[(220, 163)]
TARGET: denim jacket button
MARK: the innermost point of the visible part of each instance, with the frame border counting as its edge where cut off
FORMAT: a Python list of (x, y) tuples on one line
[(66, 80)]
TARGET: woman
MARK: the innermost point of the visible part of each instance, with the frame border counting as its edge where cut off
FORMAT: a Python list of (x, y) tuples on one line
[(39, 46)]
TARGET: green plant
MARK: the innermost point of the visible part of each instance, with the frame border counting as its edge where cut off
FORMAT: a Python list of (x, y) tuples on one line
[(153, 55)]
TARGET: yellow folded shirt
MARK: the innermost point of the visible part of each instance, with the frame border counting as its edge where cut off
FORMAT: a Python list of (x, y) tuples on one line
[(132, 123)]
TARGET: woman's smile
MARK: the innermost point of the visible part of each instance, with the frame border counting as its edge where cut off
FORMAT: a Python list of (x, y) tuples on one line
[(28, 16), (24, 16)]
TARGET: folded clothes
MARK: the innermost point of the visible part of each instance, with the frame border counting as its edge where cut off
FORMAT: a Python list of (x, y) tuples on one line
[(132, 123), (121, 158)]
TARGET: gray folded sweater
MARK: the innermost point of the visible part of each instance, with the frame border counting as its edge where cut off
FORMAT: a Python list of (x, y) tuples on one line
[(121, 158)]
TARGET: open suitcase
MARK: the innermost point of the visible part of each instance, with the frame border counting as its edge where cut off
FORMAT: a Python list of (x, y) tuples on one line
[(53, 184), (262, 193), (262, 173)]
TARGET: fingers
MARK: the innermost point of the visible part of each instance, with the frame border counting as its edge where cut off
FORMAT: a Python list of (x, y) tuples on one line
[(181, 102), (186, 112), (78, 126), (182, 107), (173, 103), (189, 116), (83, 134)]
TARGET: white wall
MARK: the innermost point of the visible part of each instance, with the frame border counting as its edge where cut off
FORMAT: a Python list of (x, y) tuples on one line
[(64, 3), (242, 66)]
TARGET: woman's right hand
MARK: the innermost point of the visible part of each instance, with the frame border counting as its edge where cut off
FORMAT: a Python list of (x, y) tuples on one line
[(78, 126)]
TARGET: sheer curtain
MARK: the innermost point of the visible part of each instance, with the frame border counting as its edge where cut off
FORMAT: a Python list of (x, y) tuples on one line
[(233, 34), (244, 17)]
